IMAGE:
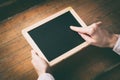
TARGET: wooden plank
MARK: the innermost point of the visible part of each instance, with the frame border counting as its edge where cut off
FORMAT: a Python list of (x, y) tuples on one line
[(15, 54)]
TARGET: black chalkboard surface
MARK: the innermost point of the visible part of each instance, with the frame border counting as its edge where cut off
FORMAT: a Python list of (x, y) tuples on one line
[(55, 37), (52, 37)]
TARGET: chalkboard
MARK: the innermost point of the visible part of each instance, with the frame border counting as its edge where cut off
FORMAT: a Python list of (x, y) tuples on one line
[(53, 36)]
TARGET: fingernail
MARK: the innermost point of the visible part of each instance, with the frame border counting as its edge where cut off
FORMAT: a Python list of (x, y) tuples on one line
[(72, 27)]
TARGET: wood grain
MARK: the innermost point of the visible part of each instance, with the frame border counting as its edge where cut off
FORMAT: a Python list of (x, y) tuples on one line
[(15, 56)]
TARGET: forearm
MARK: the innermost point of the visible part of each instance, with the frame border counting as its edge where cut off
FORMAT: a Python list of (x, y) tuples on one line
[(46, 76)]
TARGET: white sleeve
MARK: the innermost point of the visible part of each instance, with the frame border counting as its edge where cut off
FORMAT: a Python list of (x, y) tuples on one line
[(117, 46), (46, 76)]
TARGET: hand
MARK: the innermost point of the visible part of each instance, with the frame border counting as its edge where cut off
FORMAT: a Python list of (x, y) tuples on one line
[(40, 65), (97, 36)]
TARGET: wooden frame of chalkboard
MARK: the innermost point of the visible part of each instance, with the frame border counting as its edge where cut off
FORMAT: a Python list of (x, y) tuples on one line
[(41, 33)]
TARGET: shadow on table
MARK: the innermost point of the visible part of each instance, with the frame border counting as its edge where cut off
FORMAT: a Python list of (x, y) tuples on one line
[(86, 64)]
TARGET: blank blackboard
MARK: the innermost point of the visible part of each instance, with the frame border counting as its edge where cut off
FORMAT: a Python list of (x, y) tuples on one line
[(55, 37)]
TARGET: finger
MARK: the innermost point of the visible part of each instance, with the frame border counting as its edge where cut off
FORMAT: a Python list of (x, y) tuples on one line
[(97, 24), (34, 55), (87, 38), (79, 29), (33, 52)]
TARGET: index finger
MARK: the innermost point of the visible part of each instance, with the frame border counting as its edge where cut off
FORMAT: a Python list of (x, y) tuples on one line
[(83, 30)]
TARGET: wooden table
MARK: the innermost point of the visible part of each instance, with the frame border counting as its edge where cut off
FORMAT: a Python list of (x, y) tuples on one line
[(15, 56)]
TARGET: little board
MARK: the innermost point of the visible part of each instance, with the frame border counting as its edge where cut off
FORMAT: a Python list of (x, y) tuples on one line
[(52, 37)]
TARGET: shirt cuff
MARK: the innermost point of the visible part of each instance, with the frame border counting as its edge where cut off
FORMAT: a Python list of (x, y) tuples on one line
[(46, 76), (117, 46)]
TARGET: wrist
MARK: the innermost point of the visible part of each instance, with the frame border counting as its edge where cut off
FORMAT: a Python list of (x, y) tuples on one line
[(46, 70), (113, 40), (40, 73)]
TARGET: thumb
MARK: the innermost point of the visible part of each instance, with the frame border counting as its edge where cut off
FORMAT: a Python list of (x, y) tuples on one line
[(34, 54)]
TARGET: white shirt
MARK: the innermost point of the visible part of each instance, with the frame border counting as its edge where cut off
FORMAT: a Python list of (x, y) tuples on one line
[(48, 76), (117, 46)]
